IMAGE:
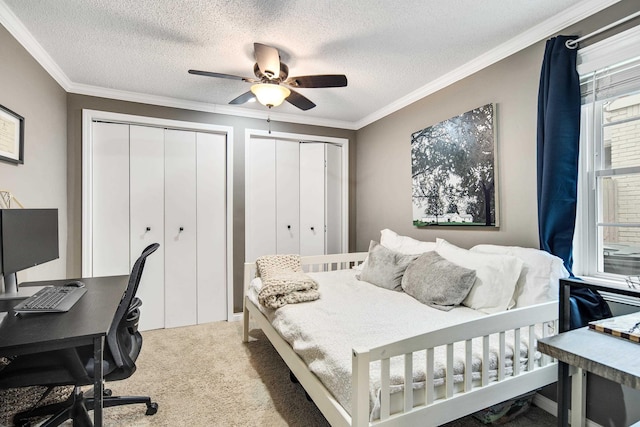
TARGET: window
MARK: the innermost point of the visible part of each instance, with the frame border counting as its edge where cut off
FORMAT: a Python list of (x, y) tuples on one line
[(607, 242)]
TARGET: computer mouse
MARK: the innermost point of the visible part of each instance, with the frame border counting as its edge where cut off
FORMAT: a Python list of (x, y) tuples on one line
[(75, 284)]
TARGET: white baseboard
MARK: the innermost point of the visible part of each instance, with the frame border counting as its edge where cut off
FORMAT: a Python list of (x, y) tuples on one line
[(551, 407)]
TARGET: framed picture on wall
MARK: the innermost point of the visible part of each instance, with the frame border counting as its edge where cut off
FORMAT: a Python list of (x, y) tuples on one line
[(11, 136), (454, 171)]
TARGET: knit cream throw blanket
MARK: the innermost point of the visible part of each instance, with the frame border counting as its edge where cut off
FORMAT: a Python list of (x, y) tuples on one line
[(284, 282)]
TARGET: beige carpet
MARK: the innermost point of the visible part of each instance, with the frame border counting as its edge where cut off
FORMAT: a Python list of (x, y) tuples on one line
[(205, 376)]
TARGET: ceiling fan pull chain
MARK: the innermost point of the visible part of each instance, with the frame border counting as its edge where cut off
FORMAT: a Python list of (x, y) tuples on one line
[(269, 120)]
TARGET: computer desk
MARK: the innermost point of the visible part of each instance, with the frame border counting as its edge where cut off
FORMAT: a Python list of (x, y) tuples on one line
[(87, 323)]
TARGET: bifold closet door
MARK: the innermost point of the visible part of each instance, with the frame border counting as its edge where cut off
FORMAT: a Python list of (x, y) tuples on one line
[(287, 197), (150, 184), (312, 199), (110, 199), (146, 150), (211, 224), (180, 228), (272, 198), (260, 200)]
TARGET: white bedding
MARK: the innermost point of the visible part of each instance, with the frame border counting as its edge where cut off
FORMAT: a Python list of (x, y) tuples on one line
[(352, 313)]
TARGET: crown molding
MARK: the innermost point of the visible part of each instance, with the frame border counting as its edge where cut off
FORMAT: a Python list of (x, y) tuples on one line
[(518, 43), (581, 11)]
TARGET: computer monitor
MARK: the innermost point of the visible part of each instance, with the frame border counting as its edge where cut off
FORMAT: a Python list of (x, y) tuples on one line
[(28, 237)]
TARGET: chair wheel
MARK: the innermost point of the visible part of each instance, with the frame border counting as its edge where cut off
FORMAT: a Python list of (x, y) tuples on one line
[(152, 408), (293, 378), (107, 392)]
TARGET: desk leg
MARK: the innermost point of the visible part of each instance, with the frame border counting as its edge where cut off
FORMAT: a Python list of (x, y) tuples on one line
[(98, 380), (578, 398)]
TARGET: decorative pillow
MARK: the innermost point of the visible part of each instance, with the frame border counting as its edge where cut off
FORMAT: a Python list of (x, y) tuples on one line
[(434, 281), (404, 244), (496, 276), (541, 273), (385, 267)]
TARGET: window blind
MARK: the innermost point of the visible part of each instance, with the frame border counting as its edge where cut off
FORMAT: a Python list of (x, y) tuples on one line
[(610, 82), (610, 67)]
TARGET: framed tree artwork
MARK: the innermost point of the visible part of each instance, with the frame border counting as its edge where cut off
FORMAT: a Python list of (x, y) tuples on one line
[(453, 169), (11, 136)]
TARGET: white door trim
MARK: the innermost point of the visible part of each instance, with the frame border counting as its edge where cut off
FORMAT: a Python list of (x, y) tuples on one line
[(342, 142), (90, 116)]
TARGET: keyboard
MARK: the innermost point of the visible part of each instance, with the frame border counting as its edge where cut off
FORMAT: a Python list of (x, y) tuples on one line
[(51, 299)]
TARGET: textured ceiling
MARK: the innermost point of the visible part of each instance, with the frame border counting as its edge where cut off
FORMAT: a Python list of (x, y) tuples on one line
[(387, 49)]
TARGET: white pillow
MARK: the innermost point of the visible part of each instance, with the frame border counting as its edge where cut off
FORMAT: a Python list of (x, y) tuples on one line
[(404, 244), (539, 281), (496, 276)]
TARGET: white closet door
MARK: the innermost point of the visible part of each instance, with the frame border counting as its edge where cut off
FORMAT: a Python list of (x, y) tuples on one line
[(260, 201), (180, 228), (110, 199), (333, 187), (147, 218), (211, 217), (312, 199), (287, 197)]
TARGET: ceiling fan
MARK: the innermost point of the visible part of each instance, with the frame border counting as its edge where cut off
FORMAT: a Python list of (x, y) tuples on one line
[(272, 79)]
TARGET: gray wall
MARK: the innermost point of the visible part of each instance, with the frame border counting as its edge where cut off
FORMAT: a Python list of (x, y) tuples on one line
[(75, 105), (27, 89)]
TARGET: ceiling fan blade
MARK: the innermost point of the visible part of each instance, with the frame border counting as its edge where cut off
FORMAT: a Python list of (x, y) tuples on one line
[(245, 97), (224, 76), (268, 59), (300, 101), (320, 80)]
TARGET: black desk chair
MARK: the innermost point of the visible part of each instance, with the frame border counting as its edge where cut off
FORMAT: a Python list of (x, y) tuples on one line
[(75, 366)]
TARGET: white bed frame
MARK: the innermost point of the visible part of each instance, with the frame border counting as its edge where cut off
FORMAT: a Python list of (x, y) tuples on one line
[(456, 403)]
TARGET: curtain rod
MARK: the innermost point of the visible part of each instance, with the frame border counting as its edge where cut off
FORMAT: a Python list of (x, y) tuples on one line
[(572, 44)]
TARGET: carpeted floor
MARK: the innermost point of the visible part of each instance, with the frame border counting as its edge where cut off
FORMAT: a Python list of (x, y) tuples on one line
[(205, 376)]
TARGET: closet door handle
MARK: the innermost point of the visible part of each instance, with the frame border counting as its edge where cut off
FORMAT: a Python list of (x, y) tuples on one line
[(312, 228), (181, 229), (288, 227), (148, 228)]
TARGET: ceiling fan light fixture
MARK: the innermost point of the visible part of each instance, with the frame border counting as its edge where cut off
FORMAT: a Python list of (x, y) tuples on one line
[(270, 95)]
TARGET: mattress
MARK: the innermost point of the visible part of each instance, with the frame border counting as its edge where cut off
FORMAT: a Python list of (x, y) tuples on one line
[(352, 313)]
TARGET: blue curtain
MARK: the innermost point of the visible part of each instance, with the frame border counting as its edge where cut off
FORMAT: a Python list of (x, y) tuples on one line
[(558, 148)]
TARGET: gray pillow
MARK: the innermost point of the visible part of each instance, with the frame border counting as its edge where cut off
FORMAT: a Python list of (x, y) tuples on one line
[(385, 267), (439, 283)]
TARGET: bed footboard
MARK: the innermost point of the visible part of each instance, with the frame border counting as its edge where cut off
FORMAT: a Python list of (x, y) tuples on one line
[(470, 396)]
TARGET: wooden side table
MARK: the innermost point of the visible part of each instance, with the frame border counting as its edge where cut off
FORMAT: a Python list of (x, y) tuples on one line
[(613, 358)]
